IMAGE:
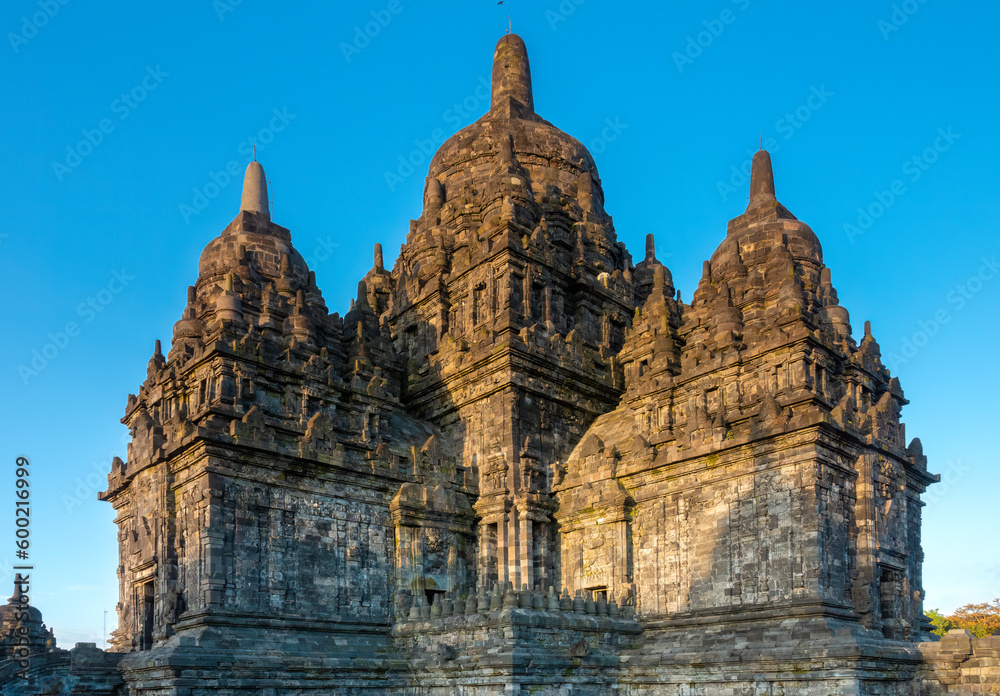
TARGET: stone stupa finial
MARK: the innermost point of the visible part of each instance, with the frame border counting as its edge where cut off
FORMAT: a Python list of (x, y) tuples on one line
[(18, 591), (255, 191), (659, 279), (511, 73), (362, 302), (761, 180)]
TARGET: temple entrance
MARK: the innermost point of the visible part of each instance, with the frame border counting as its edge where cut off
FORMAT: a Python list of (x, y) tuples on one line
[(146, 615)]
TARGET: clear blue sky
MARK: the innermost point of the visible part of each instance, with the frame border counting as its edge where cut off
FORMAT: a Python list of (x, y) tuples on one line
[(846, 95)]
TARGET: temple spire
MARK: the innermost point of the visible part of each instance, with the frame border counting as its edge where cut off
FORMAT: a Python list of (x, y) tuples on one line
[(761, 180), (18, 591), (511, 73), (255, 191)]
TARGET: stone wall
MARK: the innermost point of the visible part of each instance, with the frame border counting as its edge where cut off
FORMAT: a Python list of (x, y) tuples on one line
[(502, 651), (959, 664), (83, 670)]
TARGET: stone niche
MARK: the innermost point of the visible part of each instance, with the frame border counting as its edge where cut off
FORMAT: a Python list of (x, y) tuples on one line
[(595, 519), (434, 544)]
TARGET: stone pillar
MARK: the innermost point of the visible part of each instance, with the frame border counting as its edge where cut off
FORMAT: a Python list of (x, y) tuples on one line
[(484, 555), (406, 558), (505, 538), (540, 544), (527, 298), (452, 565), (512, 548), (490, 531), (418, 567), (622, 569), (213, 582), (526, 552)]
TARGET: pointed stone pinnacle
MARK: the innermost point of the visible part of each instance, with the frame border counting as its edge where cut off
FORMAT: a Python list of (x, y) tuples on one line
[(362, 295), (511, 73), (255, 191), (761, 180), (659, 279)]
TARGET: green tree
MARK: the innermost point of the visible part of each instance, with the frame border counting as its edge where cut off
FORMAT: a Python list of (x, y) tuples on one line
[(942, 624)]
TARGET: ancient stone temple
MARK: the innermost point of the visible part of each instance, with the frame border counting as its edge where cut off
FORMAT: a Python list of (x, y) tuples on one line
[(520, 463)]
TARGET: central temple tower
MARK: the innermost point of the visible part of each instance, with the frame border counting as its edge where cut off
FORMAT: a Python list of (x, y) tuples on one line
[(511, 298)]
